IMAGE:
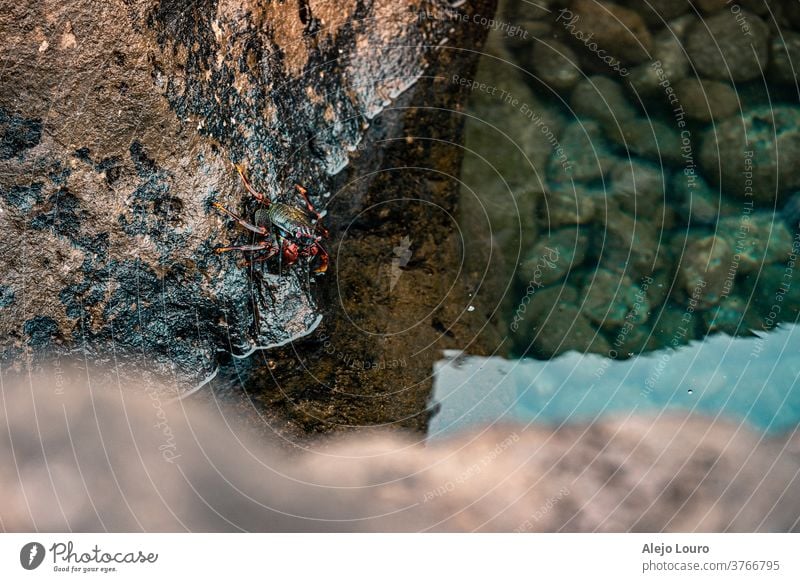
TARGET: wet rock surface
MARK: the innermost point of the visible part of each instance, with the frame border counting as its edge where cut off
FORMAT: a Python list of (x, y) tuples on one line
[(729, 46), (764, 142), (119, 125)]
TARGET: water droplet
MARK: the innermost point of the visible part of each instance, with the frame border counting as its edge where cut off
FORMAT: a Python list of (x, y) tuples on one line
[(691, 391), (471, 308)]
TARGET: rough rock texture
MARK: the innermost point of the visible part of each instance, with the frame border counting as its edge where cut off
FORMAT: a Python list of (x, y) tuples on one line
[(729, 47), (772, 134), (87, 471), (118, 125)]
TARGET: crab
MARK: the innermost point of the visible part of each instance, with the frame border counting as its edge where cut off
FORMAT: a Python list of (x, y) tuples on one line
[(292, 232)]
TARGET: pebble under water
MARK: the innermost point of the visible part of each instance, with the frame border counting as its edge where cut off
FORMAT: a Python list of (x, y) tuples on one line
[(641, 213)]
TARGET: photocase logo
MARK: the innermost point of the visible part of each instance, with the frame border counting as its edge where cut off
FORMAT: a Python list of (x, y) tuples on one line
[(31, 555), (402, 254)]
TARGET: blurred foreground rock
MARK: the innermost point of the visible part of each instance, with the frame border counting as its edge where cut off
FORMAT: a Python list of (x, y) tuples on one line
[(77, 459)]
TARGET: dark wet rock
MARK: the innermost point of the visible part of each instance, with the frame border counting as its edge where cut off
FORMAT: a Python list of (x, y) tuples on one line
[(586, 151), (631, 340), (553, 324), (619, 31), (657, 12), (649, 139), (658, 287), (704, 265), (777, 294), (610, 300), (710, 6), (791, 212), (706, 100), (698, 203), (556, 65), (668, 59), (733, 316), (627, 243), (603, 100), (638, 187), (729, 47), (772, 134), (784, 60), (553, 257), (118, 127), (757, 240), (675, 326), (568, 204)]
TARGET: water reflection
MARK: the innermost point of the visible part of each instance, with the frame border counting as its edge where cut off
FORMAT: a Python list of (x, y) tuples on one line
[(749, 379)]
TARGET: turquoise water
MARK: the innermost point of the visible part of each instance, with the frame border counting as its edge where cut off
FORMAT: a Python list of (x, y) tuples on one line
[(753, 381)]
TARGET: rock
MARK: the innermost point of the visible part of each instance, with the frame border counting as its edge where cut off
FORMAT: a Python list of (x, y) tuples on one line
[(628, 342), (706, 100), (611, 300), (762, 240), (724, 153), (703, 270), (710, 6), (638, 186), (729, 46), (648, 138), (777, 295), (565, 205), (732, 316), (601, 99), (553, 257), (698, 203), (658, 12), (791, 212), (617, 30), (784, 50), (553, 325), (669, 59), (675, 326), (556, 64), (120, 123), (586, 155), (627, 243)]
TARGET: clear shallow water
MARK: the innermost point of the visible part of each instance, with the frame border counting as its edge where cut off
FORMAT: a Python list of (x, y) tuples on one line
[(749, 379)]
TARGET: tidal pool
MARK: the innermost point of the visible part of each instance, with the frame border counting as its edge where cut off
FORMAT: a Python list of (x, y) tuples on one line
[(753, 380)]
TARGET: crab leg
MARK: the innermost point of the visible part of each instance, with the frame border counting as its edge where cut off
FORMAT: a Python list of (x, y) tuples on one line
[(256, 229), (304, 193), (256, 194), (259, 247)]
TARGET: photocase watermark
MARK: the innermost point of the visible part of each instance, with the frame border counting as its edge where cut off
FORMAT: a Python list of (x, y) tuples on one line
[(548, 261), (402, 255), (543, 510), (508, 29), (507, 98), (474, 469), (569, 20), (169, 449), (362, 363)]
